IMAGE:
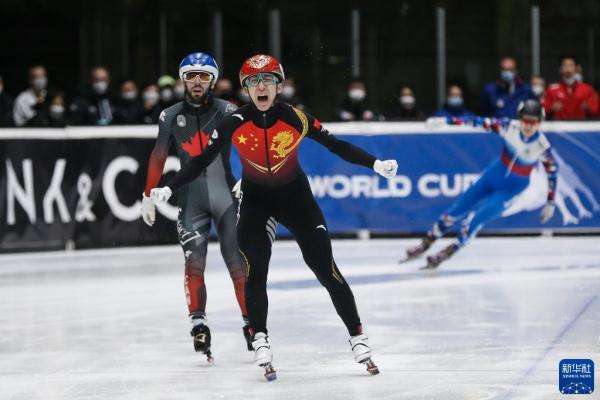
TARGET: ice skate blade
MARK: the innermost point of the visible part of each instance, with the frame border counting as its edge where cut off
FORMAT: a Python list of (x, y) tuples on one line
[(429, 267), (371, 367), (408, 259), (270, 373)]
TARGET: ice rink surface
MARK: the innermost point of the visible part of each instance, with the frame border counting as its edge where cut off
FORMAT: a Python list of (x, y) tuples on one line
[(492, 323)]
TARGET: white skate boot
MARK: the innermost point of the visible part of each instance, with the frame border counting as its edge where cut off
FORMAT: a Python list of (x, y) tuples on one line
[(362, 352), (263, 355)]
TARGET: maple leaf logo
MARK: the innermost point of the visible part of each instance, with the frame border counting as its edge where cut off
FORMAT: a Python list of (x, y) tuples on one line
[(194, 145)]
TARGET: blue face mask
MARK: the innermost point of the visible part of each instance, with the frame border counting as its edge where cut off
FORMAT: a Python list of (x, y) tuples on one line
[(507, 76), (455, 101)]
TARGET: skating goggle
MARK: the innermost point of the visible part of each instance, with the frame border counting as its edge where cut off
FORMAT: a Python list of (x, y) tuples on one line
[(267, 79), (191, 76)]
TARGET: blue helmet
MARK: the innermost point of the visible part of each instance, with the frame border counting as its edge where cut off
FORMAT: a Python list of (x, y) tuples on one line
[(200, 62)]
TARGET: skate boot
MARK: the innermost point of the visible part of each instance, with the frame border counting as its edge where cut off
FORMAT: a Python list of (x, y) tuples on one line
[(362, 352), (201, 335), (263, 356), (435, 260), (248, 337), (418, 250)]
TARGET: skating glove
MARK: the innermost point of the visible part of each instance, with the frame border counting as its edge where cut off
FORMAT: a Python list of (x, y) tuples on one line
[(386, 168), (160, 195), (237, 189), (547, 211), (148, 210)]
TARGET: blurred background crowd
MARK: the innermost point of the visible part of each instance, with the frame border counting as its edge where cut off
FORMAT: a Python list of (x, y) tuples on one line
[(126, 102), (115, 62)]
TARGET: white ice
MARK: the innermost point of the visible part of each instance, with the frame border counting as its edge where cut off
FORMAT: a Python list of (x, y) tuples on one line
[(493, 323)]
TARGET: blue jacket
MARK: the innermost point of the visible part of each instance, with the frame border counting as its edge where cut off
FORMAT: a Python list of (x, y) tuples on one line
[(449, 112), (496, 101)]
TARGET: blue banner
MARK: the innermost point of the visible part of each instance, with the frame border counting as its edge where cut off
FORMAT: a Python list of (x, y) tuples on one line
[(434, 169)]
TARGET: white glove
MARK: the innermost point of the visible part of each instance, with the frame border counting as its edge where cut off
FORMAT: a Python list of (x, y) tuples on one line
[(547, 212), (237, 190), (148, 210), (386, 168), (435, 122), (160, 195)]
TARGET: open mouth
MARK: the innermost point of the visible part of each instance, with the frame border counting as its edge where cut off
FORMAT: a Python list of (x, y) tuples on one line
[(263, 98)]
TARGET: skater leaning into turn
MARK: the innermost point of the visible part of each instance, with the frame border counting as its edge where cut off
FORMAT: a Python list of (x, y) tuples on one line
[(189, 124), (267, 134), (501, 182)]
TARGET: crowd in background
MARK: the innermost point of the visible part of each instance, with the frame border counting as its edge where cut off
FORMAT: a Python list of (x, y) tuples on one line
[(101, 103)]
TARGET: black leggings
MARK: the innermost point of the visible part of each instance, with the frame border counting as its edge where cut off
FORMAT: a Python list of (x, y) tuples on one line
[(294, 206)]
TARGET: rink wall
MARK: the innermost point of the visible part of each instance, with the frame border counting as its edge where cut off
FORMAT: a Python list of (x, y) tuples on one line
[(80, 186)]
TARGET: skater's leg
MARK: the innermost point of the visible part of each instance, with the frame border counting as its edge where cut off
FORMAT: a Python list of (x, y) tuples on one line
[(226, 230), (309, 229), (255, 249)]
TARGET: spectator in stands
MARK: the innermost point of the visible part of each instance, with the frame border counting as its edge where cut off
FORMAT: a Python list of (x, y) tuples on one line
[(179, 90), (6, 106), (501, 98), (354, 106), (56, 111), (242, 97), (224, 90), (538, 86), (129, 109), (150, 100), (569, 98), (94, 105), (290, 94), (404, 107), (166, 86), (31, 105), (455, 104)]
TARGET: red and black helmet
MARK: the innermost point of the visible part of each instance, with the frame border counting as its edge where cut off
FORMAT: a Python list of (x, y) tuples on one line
[(261, 63)]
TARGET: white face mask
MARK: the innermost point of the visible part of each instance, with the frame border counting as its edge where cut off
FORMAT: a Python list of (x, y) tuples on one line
[(151, 97), (407, 100), (40, 83), (57, 110), (288, 92), (570, 81), (130, 95), (538, 90), (356, 94), (100, 87), (166, 94)]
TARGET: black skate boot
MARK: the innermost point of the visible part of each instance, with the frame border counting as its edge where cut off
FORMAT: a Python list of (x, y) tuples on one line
[(435, 260), (418, 250), (201, 335), (248, 337)]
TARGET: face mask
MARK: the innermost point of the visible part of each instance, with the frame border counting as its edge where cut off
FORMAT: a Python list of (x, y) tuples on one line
[(130, 95), (356, 94), (507, 76), (407, 101), (288, 92), (57, 111), (569, 81), (166, 94), (40, 83), (179, 92), (455, 101), (151, 97), (100, 87), (538, 90)]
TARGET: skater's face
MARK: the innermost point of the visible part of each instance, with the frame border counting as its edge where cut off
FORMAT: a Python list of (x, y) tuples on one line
[(197, 85), (529, 125), (263, 89)]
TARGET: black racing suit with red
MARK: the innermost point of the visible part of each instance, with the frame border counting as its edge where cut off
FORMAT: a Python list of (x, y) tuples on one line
[(274, 186)]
